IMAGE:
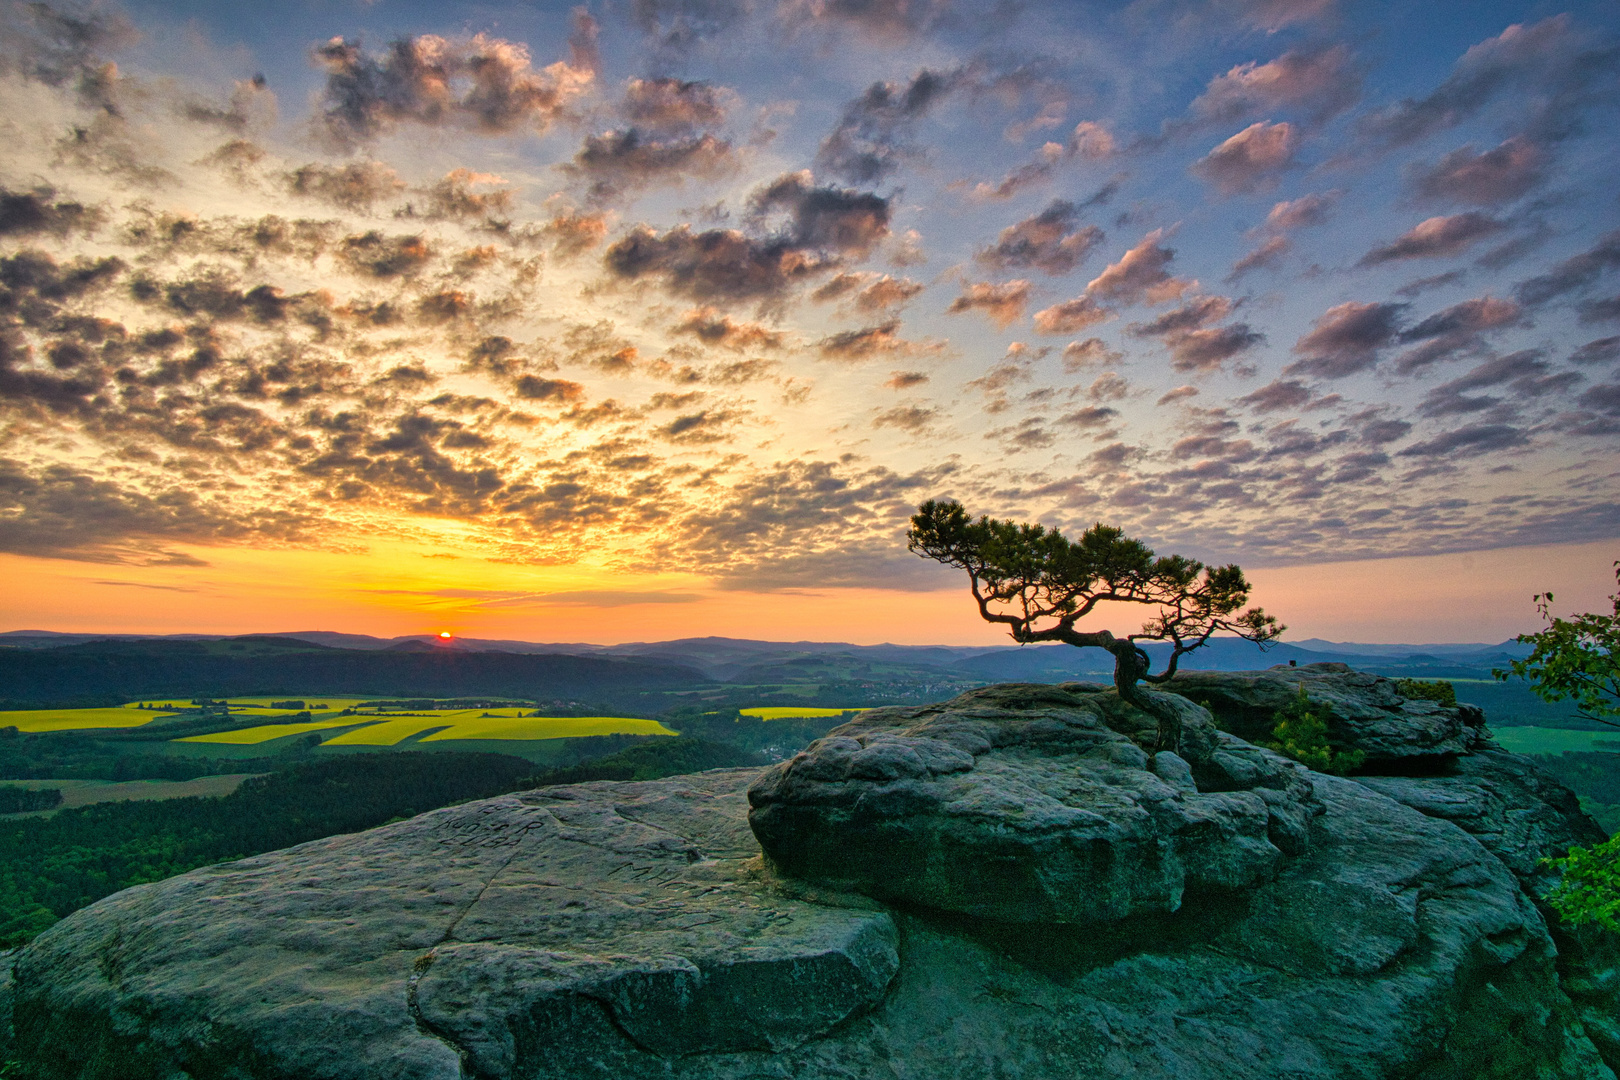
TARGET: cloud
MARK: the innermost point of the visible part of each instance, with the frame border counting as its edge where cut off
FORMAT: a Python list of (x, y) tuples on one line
[(1346, 339), (28, 213), (1524, 372), (355, 186), (866, 342), (871, 292), (1274, 15), (471, 196), (1268, 253), (1140, 275), (713, 328), (534, 388), (1193, 344), (1200, 311), (912, 418), (1468, 441), (1424, 284), (1278, 394), (1435, 237), (823, 224), (1092, 352), (1470, 316), (1206, 350), (1604, 398), (63, 48), (574, 233), (1250, 160), (481, 84), (872, 139), (678, 26), (699, 428), (379, 256), (1090, 417), (1574, 273), (905, 380), (825, 218), (1180, 393), (1071, 316), (1048, 241), (622, 161), (1600, 310), (1544, 55), (890, 21), (1303, 212), (1600, 351), (59, 512), (1481, 179), (1321, 82), (674, 106), (1002, 303)]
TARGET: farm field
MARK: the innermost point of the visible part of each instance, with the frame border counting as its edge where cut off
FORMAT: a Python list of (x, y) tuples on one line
[(403, 726), (795, 712), (546, 727), (34, 721), (1540, 740), (314, 704), (265, 732), (88, 792)]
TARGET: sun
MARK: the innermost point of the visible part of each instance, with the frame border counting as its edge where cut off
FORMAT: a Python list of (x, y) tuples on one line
[(445, 634)]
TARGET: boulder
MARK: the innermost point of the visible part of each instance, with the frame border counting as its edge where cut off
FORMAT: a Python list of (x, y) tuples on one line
[(1029, 804), (632, 931), (1363, 712)]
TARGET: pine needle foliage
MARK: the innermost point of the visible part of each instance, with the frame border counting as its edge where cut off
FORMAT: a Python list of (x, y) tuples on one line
[(1301, 733)]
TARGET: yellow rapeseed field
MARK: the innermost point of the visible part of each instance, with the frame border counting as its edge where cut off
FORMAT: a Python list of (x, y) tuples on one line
[(252, 735), (37, 720), (548, 727), (794, 712), (390, 732)]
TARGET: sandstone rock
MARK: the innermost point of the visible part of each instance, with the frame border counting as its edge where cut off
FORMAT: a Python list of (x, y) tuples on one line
[(1524, 817), (471, 938), (1025, 804), (632, 931), (1363, 712)]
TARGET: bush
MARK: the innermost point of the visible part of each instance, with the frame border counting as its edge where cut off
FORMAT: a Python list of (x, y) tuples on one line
[(1590, 889), (1428, 690), (1302, 735)]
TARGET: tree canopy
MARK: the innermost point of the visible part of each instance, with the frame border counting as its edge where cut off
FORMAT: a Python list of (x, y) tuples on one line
[(1040, 585), (1575, 659)]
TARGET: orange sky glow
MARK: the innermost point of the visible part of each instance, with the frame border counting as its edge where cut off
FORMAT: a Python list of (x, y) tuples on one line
[(1471, 596)]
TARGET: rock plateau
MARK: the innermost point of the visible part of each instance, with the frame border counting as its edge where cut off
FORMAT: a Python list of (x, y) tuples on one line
[(1012, 884)]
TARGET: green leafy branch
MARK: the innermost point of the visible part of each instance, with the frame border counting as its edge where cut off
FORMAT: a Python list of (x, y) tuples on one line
[(1575, 659)]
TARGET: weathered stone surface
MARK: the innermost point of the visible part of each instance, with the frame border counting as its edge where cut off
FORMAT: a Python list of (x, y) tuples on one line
[(1363, 712), (1025, 804), (1524, 817), (632, 932), (468, 936)]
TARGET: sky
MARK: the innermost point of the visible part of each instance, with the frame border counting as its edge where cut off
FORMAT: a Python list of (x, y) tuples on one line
[(647, 319)]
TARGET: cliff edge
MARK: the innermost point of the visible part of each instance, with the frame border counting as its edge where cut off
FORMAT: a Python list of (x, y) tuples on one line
[(1011, 884)]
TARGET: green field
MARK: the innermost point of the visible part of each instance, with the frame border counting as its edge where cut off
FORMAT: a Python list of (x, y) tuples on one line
[(1539, 740), (34, 721), (794, 712)]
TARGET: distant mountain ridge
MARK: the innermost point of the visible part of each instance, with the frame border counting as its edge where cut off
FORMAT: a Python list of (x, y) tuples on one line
[(724, 659)]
